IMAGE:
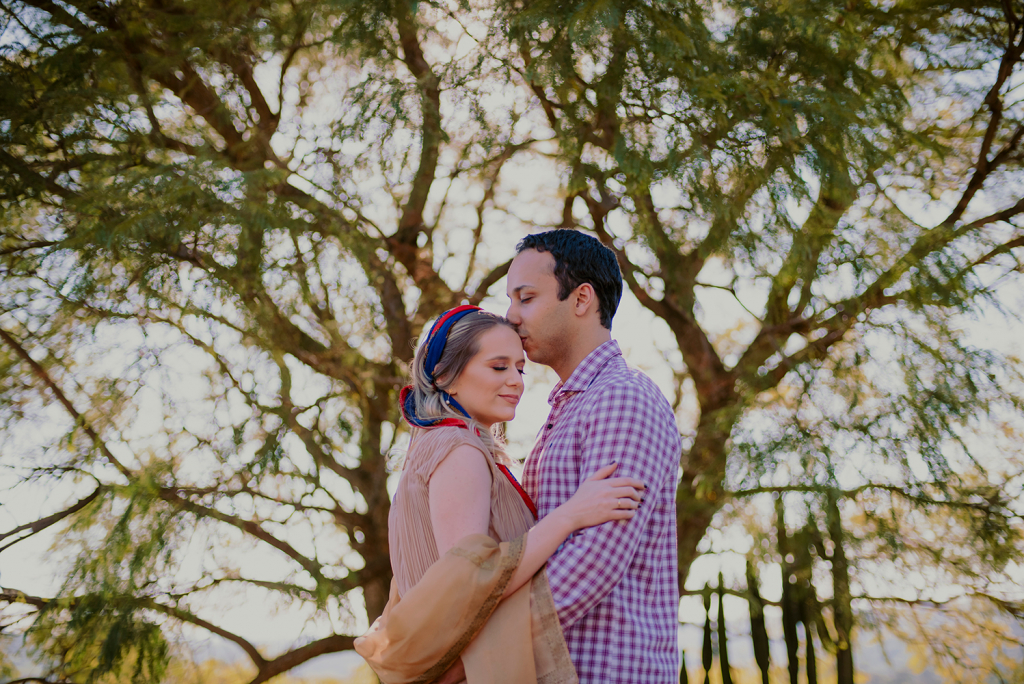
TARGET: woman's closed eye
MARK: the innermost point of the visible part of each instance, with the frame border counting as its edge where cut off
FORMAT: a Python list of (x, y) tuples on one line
[(502, 369)]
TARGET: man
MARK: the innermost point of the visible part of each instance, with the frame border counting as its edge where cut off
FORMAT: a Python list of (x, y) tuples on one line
[(615, 586)]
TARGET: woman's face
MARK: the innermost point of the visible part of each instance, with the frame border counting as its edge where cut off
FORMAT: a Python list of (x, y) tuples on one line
[(491, 384)]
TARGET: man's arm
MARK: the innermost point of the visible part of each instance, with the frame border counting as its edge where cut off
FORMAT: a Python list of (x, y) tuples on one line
[(627, 425)]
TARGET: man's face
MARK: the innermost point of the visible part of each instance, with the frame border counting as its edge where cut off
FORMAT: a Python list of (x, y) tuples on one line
[(544, 323)]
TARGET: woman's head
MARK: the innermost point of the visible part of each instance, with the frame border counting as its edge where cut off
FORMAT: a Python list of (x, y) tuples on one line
[(479, 368)]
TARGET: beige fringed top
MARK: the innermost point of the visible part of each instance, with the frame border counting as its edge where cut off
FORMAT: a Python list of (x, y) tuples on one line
[(446, 621), (410, 534)]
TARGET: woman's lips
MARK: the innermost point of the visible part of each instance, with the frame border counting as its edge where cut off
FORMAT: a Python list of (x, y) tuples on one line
[(510, 398)]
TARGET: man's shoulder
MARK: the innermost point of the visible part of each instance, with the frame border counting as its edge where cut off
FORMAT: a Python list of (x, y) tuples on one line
[(624, 386), (621, 379)]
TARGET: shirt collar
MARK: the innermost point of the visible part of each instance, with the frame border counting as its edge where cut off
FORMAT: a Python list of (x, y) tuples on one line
[(587, 371)]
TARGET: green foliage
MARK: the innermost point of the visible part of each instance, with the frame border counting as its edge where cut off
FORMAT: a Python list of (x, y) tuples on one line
[(223, 225), (98, 637)]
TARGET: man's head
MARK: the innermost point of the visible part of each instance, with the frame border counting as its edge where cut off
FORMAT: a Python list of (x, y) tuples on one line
[(565, 288)]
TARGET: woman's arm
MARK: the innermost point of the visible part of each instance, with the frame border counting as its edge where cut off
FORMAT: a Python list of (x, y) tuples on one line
[(598, 500), (460, 497), (460, 505)]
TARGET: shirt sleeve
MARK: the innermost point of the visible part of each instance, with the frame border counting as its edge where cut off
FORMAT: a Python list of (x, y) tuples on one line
[(625, 425)]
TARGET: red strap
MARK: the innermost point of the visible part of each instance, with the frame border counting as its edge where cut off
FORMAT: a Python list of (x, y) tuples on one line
[(450, 422), (519, 488)]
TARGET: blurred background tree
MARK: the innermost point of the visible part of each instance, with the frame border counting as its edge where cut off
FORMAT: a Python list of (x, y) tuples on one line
[(225, 224)]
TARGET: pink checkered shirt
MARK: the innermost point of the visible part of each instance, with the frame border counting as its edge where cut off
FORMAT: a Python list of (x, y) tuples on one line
[(615, 585)]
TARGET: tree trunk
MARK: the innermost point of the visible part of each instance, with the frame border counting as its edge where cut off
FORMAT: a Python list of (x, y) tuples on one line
[(843, 604), (693, 517), (790, 614), (758, 632), (700, 492), (810, 661), (372, 466), (707, 654), (723, 648)]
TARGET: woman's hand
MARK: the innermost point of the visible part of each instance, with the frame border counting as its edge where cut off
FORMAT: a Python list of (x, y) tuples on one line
[(602, 498)]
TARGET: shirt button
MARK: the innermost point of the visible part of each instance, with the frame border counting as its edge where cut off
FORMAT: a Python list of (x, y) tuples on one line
[(550, 425)]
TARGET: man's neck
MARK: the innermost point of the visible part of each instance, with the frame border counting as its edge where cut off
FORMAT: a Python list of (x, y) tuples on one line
[(581, 350)]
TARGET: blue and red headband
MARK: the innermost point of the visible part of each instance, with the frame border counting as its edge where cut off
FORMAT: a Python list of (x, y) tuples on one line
[(437, 338)]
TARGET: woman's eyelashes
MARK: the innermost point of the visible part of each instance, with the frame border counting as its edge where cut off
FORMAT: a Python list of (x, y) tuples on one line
[(502, 369)]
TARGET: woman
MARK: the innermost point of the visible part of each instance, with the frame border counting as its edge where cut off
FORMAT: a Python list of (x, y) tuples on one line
[(458, 525)]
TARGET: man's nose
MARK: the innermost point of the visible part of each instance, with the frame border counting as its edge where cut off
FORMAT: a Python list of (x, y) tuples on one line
[(513, 314)]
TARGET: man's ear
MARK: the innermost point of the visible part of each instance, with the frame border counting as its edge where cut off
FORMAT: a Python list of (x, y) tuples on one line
[(586, 299)]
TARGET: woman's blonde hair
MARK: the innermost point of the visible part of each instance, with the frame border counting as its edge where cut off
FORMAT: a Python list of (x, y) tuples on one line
[(462, 345)]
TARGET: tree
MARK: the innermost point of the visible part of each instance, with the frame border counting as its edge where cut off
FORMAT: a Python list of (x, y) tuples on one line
[(180, 146), (282, 194), (847, 172)]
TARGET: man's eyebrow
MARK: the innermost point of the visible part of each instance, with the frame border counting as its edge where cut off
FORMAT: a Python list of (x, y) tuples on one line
[(521, 287)]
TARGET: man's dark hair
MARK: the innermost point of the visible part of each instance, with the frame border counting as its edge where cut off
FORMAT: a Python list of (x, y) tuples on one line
[(580, 259)]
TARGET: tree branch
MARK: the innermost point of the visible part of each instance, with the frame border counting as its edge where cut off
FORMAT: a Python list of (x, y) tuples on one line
[(411, 223), (79, 419), (488, 281), (332, 644), (37, 244), (251, 527), (490, 187), (43, 523), (192, 619), (896, 490), (983, 166), (15, 596)]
